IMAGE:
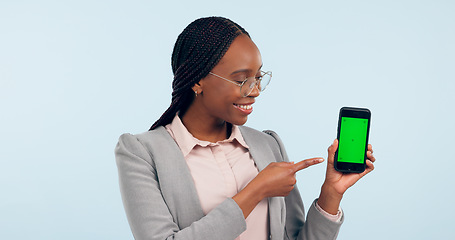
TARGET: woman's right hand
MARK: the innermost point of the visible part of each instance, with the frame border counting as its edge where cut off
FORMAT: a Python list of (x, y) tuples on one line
[(277, 179)]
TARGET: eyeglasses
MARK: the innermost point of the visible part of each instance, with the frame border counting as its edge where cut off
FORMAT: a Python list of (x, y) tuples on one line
[(247, 85)]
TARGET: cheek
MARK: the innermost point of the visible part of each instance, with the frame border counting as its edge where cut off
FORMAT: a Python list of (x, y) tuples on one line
[(221, 97), (223, 92)]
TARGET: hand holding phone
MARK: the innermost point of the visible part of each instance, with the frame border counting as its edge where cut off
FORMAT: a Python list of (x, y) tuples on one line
[(353, 131), (347, 154)]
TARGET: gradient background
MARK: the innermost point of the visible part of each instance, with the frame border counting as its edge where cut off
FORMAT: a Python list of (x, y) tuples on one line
[(74, 75)]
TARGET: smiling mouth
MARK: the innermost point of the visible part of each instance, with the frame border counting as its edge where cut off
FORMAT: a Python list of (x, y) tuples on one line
[(244, 106)]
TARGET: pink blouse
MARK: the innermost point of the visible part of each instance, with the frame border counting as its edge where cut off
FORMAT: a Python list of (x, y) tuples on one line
[(220, 170)]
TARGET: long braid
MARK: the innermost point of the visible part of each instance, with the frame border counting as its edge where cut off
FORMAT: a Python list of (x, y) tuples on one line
[(197, 51)]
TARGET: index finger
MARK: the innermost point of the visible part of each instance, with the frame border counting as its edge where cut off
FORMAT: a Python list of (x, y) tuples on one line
[(306, 163)]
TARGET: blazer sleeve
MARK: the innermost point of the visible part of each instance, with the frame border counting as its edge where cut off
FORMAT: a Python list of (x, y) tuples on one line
[(149, 216), (316, 226)]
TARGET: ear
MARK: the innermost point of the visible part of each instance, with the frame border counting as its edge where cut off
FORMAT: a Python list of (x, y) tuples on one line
[(197, 88)]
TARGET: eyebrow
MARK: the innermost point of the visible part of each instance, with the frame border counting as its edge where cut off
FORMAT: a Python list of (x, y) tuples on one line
[(244, 70)]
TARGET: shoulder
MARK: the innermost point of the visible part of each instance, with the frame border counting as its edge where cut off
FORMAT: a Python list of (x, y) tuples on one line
[(145, 137), (265, 135), (150, 141), (255, 133)]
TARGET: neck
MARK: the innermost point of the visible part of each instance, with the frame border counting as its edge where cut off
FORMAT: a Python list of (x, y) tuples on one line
[(205, 128)]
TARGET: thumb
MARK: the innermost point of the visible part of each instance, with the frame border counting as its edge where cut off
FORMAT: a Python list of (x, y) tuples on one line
[(331, 151), (306, 163)]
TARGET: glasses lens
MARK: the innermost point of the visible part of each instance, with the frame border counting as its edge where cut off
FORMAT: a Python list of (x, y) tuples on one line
[(251, 82), (266, 77), (247, 87)]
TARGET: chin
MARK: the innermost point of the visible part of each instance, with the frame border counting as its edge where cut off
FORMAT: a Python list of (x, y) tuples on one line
[(239, 122)]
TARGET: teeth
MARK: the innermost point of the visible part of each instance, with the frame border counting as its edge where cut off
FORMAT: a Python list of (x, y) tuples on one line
[(246, 107)]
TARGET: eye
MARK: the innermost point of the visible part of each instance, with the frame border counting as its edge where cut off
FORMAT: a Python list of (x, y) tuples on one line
[(239, 79)]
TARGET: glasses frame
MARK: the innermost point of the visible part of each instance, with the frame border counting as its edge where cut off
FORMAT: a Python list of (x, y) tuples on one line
[(256, 82)]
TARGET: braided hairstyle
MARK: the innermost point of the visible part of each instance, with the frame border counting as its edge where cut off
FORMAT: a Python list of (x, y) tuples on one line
[(197, 51)]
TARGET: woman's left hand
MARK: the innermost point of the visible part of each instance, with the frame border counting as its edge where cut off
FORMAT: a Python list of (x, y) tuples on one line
[(336, 183)]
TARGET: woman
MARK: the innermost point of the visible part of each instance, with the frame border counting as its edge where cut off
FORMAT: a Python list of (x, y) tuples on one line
[(199, 174)]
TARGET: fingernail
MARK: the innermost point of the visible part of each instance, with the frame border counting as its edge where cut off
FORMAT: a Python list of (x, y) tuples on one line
[(320, 160)]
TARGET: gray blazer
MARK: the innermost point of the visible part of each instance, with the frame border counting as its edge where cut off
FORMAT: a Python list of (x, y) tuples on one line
[(161, 201)]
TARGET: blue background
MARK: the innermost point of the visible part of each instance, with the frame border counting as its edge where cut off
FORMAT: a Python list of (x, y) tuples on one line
[(74, 75)]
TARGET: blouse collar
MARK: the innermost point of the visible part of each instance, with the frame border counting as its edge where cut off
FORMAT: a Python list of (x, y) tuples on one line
[(186, 141)]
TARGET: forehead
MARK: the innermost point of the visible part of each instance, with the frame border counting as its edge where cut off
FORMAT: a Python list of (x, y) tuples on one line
[(242, 54)]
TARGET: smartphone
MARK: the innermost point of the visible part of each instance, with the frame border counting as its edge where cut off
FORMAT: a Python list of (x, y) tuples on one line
[(353, 131)]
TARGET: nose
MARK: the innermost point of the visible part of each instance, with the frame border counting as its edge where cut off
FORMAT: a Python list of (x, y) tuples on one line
[(255, 91)]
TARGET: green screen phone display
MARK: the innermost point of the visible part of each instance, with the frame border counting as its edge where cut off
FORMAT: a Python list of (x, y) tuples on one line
[(353, 136)]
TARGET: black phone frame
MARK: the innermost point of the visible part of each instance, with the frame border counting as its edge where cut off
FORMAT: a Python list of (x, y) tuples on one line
[(353, 112)]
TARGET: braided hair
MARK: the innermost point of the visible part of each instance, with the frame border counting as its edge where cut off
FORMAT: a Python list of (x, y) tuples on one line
[(197, 51)]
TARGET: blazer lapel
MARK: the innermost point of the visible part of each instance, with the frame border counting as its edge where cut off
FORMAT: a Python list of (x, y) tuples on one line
[(263, 154), (259, 149), (175, 179)]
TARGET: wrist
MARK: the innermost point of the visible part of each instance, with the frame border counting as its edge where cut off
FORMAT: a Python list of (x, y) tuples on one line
[(331, 191), (257, 190), (249, 197), (329, 199)]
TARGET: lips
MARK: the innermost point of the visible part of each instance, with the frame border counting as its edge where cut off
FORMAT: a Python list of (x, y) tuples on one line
[(245, 108)]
